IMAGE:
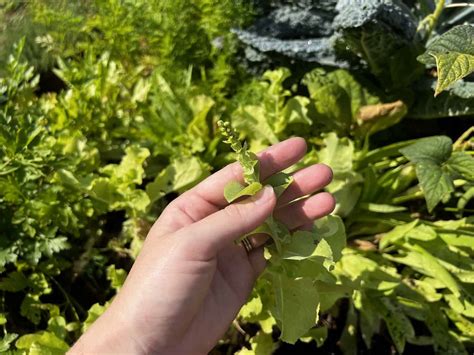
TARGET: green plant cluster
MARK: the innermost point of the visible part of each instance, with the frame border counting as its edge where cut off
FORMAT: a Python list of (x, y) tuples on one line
[(109, 109)]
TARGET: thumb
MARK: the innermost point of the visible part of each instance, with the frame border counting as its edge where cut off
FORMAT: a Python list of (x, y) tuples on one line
[(225, 226)]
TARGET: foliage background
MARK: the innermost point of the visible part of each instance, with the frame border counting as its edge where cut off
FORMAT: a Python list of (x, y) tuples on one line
[(108, 111)]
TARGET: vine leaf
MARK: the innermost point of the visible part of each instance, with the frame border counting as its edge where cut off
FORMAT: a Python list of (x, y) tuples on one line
[(453, 55)]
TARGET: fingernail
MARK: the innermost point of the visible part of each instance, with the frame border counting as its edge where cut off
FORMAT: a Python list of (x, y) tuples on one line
[(264, 195)]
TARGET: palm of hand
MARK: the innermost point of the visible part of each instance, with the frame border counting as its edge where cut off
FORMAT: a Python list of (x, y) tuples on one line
[(191, 279)]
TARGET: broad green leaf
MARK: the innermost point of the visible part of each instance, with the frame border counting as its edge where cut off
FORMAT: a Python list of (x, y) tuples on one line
[(435, 183), (453, 53), (252, 308), (463, 305), (297, 303), (252, 121), (201, 105), (130, 169), (435, 149), (294, 111), (429, 154), (463, 164), (463, 324), (338, 153)]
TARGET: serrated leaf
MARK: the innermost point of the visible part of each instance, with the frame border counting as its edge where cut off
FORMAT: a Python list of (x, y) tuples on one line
[(435, 183), (15, 281), (451, 68), (453, 54), (42, 343)]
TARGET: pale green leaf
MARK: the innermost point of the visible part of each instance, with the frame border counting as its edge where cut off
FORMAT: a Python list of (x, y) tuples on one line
[(424, 262), (6, 341), (252, 121), (181, 174), (452, 66), (42, 343), (235, 190), (297, 303), (93, 313), (396, 234), (116, 277), (453, 54)]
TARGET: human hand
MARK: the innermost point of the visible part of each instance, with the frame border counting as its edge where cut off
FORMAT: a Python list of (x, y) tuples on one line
[(190, 279)]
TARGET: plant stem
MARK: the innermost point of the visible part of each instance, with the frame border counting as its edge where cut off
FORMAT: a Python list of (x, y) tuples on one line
[(430, 21), (459, 4), (459, 142)]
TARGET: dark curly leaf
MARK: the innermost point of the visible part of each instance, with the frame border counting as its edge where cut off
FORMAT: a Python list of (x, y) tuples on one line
[(382, 33)]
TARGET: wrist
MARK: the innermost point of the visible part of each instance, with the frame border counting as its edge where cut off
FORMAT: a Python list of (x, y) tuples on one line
[(111, 333)]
